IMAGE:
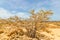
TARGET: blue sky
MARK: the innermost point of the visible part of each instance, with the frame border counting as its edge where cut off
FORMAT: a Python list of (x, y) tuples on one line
[(22, 7)]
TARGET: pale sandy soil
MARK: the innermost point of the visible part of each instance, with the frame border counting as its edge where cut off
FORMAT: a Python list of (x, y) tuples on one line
[(56, 33)]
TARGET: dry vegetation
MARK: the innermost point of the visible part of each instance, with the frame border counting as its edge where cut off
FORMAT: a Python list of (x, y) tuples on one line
[(34, 28)]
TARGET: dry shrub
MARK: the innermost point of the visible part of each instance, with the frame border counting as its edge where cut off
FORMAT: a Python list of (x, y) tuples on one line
[(14, 28)]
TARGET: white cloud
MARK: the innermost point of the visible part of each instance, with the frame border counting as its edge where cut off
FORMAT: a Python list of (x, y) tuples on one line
[(21, 14), (6, 14)]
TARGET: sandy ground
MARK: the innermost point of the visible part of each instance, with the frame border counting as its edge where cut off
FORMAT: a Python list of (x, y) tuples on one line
[(56, 33)]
